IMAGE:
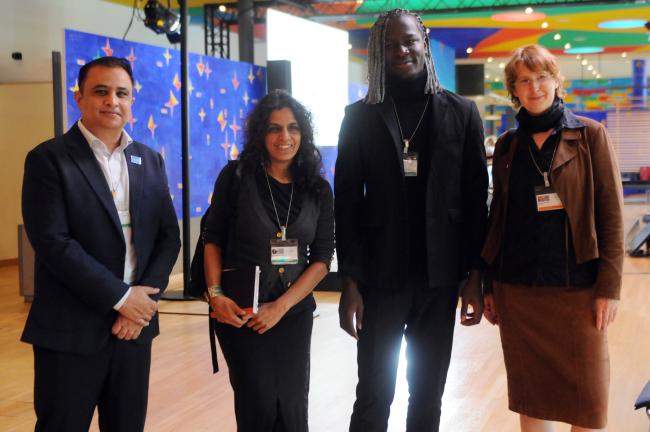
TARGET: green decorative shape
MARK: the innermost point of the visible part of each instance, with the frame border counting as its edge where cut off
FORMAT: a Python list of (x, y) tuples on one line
[(378, 6), (592, 39), (374, 6)]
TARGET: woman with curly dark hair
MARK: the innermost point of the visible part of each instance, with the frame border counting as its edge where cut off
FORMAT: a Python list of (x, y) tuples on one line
[(274, 210)]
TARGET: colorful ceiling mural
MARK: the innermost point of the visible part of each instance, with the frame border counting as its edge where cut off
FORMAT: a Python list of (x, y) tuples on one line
[(491, 28)]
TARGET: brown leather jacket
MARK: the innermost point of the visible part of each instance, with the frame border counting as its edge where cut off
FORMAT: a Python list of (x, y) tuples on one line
[(586, 177)]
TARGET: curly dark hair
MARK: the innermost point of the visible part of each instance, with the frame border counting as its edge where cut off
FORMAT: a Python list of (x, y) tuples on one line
[(306, 168)]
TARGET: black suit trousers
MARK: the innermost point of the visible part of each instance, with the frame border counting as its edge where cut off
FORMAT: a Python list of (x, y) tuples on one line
[(425, 316), (68, 387)]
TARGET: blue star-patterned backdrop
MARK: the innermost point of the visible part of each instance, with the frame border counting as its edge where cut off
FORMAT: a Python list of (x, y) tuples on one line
[(222, 92)]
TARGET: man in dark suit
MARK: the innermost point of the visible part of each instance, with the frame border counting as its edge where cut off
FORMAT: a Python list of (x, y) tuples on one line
[(410, 188), (98, 213)]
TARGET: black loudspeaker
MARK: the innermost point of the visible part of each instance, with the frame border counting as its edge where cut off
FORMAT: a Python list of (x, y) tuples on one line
[(470, 79), (278, 73)]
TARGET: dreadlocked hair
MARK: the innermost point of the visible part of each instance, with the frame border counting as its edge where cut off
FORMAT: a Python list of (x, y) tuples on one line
[(376, 57)]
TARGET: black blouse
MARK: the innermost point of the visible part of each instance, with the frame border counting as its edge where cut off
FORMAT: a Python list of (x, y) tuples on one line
[(537, 246), (221, 226)]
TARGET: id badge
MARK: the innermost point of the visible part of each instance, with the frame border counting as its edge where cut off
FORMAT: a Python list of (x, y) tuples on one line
[(410, 160), (284, 252), (547, 199)]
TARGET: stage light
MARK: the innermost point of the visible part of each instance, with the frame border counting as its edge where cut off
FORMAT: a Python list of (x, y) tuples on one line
[(162, 20)]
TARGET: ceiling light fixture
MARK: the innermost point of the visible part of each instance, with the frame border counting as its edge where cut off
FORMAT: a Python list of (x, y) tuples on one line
[(544, 25), (469, 50), (528, 10), (557, 36), (567, 46), (490, 59), (584, 62)]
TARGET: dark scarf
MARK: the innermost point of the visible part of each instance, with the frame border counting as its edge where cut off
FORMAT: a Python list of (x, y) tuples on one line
[(407, 90), (543, 122)]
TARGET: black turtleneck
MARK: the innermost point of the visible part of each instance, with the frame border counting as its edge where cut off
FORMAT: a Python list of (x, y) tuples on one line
[(410, 100)]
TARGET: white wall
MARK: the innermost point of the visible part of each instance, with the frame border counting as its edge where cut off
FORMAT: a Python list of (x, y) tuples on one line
[(26, 119), (35, 28)]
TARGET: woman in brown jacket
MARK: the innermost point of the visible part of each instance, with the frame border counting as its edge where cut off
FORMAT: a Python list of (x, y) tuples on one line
[(554, 251)]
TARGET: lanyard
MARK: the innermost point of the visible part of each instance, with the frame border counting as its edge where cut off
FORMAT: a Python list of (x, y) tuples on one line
[(544, 174), (283, 228), (401, 134)]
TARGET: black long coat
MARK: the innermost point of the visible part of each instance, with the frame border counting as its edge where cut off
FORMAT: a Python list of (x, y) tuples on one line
[(370, 194)]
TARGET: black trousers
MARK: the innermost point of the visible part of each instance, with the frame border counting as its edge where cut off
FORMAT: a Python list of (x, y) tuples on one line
[(269, 373), (426, 317), (68, 387)]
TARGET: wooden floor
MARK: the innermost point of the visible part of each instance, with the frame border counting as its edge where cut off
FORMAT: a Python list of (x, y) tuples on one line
[(185, 396)]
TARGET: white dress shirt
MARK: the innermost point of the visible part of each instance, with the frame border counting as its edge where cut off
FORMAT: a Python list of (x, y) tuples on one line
[(113, 166)]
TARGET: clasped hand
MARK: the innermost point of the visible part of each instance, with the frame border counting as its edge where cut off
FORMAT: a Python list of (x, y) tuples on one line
[(135, 313), (226, 311), (125, 329), (139, 307)]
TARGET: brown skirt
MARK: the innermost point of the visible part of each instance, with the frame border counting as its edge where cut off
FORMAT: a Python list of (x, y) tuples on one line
[(556, 360)]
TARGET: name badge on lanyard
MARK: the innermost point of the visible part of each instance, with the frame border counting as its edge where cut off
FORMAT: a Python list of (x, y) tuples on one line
[(410, 160), (545, 196), (547, 199), (284, 252)]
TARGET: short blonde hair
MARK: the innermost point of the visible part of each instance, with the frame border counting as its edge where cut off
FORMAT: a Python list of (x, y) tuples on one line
[(537, 59)]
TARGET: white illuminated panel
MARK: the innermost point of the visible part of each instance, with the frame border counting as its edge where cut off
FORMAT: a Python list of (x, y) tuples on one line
[(319, 68)]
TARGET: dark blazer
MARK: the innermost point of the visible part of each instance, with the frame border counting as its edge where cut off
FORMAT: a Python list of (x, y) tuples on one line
[(74, 228), (369, 188)]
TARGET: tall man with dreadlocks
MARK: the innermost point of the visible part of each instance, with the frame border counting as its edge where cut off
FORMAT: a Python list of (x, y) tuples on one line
[(411, 188)]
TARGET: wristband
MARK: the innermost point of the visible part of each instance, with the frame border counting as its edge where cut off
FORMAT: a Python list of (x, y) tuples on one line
[(214, 291)]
